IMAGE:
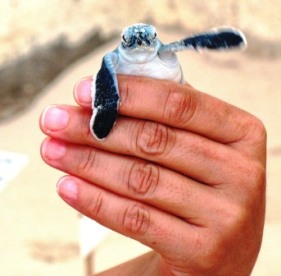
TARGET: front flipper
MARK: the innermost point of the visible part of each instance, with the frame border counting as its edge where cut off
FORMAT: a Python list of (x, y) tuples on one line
[(215, 39), (105, 98)]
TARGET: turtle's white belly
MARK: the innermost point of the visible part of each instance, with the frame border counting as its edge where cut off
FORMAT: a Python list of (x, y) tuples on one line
[(155, 68)]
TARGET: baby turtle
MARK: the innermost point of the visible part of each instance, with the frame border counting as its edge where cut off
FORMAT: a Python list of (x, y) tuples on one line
[(141, 53)]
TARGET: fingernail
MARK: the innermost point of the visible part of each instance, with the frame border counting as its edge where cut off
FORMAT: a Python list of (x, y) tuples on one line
[(68, 190), (82, 91), (53, 149), (55, 118)]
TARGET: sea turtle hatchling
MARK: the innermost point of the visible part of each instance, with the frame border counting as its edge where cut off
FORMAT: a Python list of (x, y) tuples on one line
[(141, 53)]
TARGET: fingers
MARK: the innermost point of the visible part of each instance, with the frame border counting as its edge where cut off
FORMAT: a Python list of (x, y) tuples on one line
[(182, 151), (136, 220), (134, 178), (183, 107), (174, 173)]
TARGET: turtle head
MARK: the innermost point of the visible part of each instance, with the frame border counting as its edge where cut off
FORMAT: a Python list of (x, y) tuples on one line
[(139, 40)]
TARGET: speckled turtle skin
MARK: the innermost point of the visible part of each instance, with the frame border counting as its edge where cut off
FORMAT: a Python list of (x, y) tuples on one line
[(141, 53)]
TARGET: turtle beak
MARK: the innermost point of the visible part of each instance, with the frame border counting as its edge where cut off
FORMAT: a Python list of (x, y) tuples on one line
[(143, 42), (140, 42)]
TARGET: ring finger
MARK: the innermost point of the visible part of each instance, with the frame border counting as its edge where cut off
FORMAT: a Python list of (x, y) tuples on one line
[(134, 178)]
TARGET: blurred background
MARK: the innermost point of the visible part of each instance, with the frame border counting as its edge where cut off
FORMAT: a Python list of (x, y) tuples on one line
[(46, 46)]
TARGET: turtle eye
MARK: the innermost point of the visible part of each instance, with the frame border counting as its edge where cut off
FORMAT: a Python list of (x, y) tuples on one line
[(155, 34), (123, 38)]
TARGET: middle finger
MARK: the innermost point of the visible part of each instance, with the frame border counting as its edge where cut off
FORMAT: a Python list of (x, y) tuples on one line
[(188, 153)]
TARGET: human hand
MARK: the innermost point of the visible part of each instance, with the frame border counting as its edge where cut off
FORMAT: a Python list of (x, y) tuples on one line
[(181, 171)]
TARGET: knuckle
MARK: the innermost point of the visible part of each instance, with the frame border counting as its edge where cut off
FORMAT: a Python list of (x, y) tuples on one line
[(152, 138), (143, 179), (136, 219), (95, 206), (235, 217), (259, 127), (261, 134), (180, 107), (251, 178), (256, 131), (256, 181), (258, 174), (88, 161)]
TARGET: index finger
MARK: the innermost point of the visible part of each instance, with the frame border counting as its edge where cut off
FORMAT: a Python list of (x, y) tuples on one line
[(181, 106)]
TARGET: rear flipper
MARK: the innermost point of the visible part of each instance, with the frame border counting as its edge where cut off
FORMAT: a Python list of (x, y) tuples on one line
[(105, 98)]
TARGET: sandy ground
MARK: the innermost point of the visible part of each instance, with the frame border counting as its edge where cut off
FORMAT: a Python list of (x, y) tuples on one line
[(39, 233)]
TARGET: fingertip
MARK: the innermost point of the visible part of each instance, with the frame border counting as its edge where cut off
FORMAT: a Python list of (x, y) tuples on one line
[(52, 150), (83, 91), (67, 189), (43, 147), (54, 118)]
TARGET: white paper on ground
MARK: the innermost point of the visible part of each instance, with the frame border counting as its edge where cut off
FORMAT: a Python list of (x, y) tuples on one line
[(11, 163)]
